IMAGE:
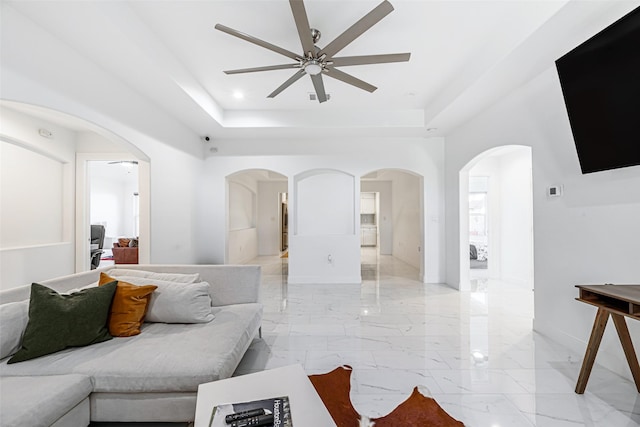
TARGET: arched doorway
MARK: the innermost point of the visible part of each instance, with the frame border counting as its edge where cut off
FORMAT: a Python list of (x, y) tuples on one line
[(496, 217), (257, 215), (392, 208), (77, 142)]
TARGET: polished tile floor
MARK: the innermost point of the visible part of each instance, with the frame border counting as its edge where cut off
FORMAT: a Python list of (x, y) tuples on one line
[(474, 352)]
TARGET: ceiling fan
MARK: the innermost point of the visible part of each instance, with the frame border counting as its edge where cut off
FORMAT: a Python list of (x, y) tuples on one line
[(316, 61), (124, 162)]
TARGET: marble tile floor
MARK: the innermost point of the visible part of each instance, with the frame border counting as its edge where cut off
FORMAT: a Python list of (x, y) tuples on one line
[(474, 352)]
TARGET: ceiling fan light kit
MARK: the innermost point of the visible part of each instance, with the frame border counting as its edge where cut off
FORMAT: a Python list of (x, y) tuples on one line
[(317, 62)]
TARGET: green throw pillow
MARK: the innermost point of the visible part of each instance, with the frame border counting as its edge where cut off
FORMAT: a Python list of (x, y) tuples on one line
[(59, 321)]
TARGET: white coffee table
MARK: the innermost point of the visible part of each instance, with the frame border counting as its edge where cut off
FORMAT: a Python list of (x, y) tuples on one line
[(307, 409)]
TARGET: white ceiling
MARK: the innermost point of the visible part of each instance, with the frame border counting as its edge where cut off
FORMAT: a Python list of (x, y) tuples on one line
[(170, 53)]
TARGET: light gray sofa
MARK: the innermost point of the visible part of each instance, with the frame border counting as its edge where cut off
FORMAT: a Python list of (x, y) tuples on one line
[(153, 376)]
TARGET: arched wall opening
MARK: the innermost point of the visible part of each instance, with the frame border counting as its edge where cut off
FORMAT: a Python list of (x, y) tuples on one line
[(66, 143), (507, 216), (324, 243), (257, 215), (399, 214)]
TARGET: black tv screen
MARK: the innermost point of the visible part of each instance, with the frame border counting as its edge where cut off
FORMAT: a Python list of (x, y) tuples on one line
[(600, 82)]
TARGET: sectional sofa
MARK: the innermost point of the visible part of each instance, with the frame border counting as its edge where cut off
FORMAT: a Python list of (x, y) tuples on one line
[(149, 377)]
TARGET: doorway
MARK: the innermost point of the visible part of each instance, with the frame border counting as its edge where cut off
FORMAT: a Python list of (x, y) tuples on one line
[(391, 220), (283, 200), (112, 189), (369, 219), (114, 206), (496, 216), (478, 225), (257, 215)]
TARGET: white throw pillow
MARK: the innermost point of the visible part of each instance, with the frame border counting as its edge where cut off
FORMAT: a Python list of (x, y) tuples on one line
[(14, 317), (176, 302), (170, 277)]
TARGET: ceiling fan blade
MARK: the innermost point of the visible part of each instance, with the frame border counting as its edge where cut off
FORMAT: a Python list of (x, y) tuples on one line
[(288, 83), (370, 59), (356, 30), (348, 78), (318, 85), (267, 68), (258, 42), (302, 23)]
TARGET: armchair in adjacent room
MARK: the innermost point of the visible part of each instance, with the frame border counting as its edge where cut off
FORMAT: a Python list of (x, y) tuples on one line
[(125, 252)]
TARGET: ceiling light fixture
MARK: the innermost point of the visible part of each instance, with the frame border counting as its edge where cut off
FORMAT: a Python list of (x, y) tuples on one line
[(313, 67), (238, 95)]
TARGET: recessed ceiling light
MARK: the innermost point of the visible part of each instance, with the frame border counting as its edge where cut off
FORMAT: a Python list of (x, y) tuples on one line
[(238, 95)]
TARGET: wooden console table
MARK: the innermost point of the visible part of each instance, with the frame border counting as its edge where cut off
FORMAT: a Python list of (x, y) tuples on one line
[(618, 301)]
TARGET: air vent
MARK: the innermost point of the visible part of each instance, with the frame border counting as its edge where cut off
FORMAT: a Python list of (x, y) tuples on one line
[(314, 97)]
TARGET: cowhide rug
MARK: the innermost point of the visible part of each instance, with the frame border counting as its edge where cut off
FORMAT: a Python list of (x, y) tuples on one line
[(416, 411)]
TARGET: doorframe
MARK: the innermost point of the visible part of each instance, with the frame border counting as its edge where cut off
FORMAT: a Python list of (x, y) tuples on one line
[(83, 198)]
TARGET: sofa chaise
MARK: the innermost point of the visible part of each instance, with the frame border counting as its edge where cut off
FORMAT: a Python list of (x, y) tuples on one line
[(149, 377)]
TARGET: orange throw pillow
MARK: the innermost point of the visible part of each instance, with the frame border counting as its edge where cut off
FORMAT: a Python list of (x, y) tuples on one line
[(128, 308), (123, 242)]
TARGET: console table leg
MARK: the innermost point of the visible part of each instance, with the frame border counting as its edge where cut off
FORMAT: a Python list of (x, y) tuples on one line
[(627, 345), (592, 349)]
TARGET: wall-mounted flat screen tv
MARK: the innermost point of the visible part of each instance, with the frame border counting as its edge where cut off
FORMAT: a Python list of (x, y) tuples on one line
[(600, 82)]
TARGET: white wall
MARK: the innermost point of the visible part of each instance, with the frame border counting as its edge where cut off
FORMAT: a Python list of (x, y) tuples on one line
[(589, 235), (420, 156), (323, 244), (406, 217), (324, 203), (243, 245), (36, 189), (31, 197), (242, 209), (516, 215), (242, 206)]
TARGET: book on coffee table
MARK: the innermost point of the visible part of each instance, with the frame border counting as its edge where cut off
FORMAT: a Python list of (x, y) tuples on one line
[(273, 412)]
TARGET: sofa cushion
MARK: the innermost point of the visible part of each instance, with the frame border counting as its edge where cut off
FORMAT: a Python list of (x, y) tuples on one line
[(40, 400), (163, 358), (128, 308), (176, 302), (58, 321), (169, 277), (13, 321)]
